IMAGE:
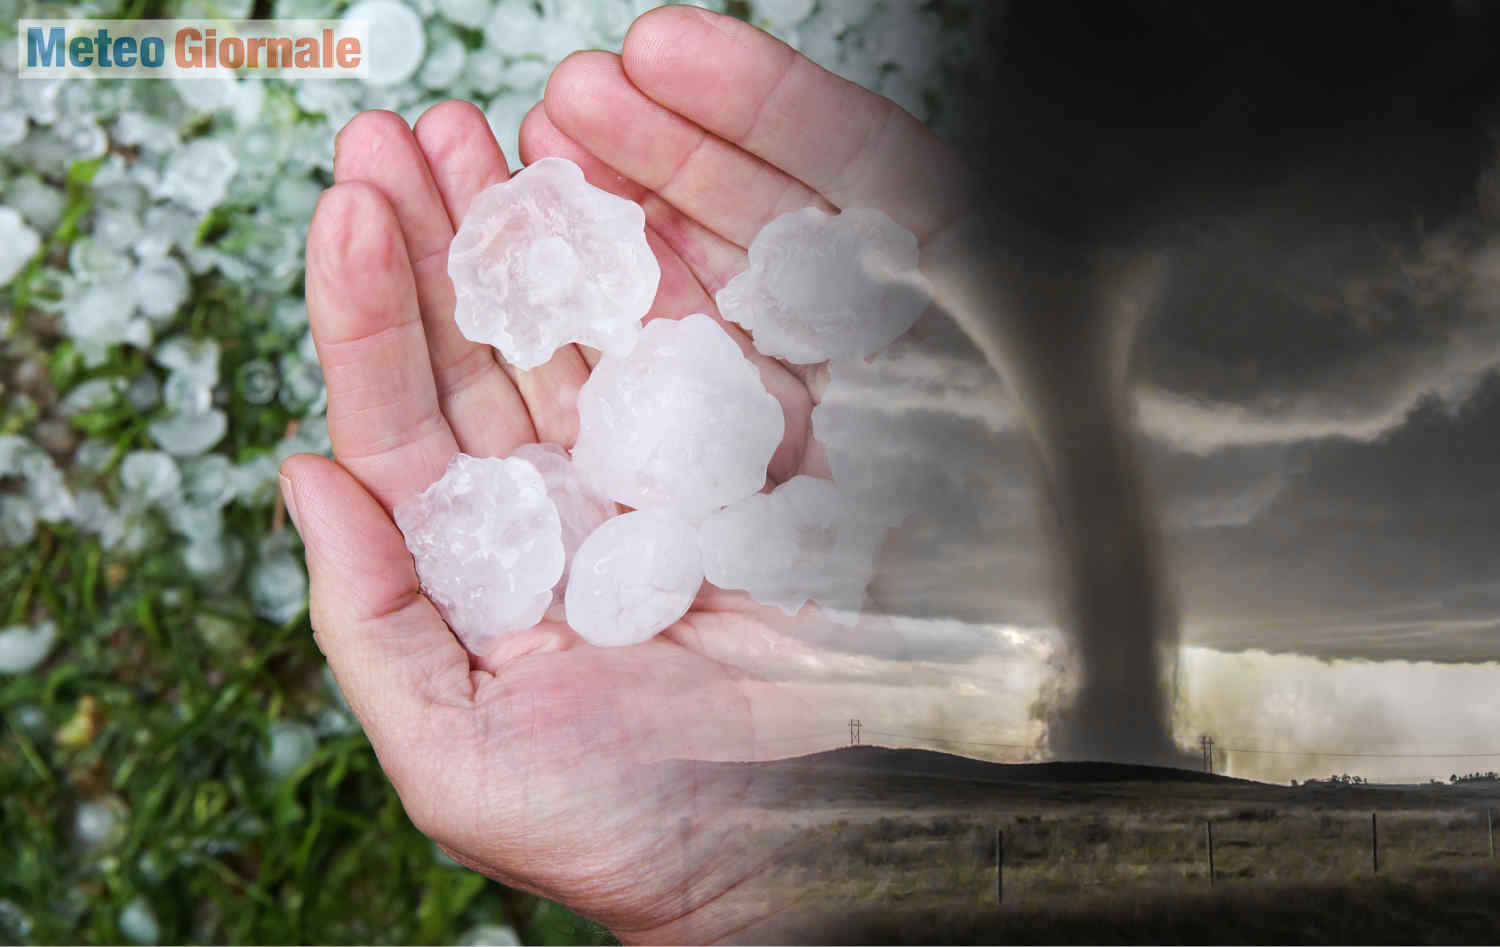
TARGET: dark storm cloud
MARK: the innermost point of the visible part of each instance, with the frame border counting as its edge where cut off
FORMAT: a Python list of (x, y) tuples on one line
[(1382, 549), (1319, 310), (1323, 197)]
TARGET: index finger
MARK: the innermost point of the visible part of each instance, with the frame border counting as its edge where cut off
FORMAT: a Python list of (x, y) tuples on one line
[(852, 146)]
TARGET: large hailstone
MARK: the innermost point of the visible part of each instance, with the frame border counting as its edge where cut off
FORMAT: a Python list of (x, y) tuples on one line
[(488, 546), (580, 508), (545, 259), (823, 286), (683, 423), (18, 244), (802, 541), (396, 39), (635, 576)]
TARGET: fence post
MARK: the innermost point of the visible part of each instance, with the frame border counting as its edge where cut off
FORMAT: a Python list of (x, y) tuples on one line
[(999, 866), (1374, 845), (1210, 853)]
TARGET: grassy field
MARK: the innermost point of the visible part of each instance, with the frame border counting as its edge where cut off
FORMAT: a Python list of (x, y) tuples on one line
[(911, 857)]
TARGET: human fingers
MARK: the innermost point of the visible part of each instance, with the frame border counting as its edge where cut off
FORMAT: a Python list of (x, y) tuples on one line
[(746, 87), (711, 260), (465, 159), (383, 414), (725, 188), (484, 411), (395, 661)]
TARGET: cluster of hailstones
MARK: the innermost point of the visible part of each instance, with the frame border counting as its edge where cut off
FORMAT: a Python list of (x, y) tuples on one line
[(674, 421)]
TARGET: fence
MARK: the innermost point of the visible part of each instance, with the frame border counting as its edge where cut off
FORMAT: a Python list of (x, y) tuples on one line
[(1045, 855)]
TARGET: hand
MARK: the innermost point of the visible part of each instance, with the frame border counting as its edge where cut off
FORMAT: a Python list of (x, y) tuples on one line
[(533, 763)]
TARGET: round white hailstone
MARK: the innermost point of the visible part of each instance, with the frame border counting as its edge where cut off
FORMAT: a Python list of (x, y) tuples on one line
[(683, 423), (40, 203), (527, 76), (209, 480), (802, 541), (823, 286), (14, 449), (397, 41), (847, 13), (488, 547), (198, 175), (138, 922), (218, 556), (783, 13), (291, 744), (100, 314), (194, 359), (161, 287), (150, 475), (470, 13), (13, 128), (580, 508), (483, 75), (634, 577), (94, 261), (188, 435), (195, 523), (100, 824), (545, 259), (278, 587), (23, 647), (92, 395), (444, 64), (17, 521), (490, 935), (515, 29), (186, 394)]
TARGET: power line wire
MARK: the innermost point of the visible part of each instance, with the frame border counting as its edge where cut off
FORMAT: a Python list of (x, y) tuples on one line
[(1379, 756), (931, 739)]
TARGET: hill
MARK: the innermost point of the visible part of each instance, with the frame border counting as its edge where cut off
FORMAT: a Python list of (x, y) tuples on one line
[(933, 764)]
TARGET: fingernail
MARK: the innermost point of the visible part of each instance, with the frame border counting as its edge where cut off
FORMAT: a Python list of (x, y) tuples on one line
[(290, 499)]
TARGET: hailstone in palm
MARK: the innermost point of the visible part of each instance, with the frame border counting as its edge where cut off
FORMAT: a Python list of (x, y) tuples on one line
[(823, 286), (545, 259)]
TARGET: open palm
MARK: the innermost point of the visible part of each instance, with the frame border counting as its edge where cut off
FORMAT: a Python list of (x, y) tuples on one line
[(527, 763)]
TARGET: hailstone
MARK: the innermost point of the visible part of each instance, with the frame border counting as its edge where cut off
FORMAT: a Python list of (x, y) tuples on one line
[(579, 507), (545, 259), (801, 541), (633, 577), (683, 423), (823, 286), (488, 546)]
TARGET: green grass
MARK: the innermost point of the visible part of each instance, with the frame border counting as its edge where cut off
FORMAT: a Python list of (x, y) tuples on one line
[(158, 697)]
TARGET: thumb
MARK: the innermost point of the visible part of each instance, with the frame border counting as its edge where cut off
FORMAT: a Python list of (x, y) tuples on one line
[(389, 649)]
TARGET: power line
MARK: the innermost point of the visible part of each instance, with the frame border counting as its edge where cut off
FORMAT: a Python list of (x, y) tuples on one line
[(930, 739), (1378, 756)]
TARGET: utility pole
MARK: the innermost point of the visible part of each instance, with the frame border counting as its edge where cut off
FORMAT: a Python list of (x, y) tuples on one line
[(854, 727), (1208, 753)]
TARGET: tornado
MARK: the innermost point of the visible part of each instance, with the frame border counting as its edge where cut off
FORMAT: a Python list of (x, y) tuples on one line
[(1060, 331)]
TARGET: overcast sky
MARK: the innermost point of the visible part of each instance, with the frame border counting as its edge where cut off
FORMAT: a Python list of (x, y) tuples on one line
[(1317, 384)]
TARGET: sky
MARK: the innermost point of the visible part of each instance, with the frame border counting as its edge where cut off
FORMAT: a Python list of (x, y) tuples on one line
[(1316, 387)]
